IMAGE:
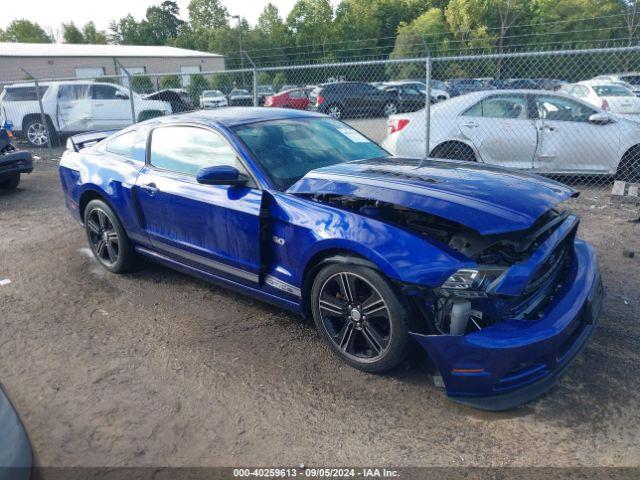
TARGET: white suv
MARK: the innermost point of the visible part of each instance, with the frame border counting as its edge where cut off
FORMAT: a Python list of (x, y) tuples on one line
[(73, 107)]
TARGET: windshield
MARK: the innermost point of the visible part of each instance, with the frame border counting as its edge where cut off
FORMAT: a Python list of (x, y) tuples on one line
[(288, 149), (238, 91), (264, 89), (612, 91), (212, 93)]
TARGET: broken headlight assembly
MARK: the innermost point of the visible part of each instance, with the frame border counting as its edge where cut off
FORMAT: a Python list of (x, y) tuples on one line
[(471, 283)]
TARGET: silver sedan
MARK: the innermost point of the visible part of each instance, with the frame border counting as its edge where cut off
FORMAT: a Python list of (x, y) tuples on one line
[(526, 129)]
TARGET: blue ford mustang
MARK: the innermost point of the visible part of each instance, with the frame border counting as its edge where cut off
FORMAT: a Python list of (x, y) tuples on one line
[(477, 265)]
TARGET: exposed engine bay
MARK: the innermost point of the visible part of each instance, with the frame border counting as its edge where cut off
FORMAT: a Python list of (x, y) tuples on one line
[(454, 311)]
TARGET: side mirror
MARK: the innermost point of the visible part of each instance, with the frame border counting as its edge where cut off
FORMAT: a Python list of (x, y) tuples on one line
[(600, 119), (220, 175)]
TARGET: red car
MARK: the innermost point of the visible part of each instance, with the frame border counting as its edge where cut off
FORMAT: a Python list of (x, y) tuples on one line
[(297, 98)]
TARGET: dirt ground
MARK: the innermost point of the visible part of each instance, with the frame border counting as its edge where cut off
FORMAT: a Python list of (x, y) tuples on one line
[(156, 368)]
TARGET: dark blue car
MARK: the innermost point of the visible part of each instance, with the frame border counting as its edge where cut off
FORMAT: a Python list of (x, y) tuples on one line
[(479, 266)]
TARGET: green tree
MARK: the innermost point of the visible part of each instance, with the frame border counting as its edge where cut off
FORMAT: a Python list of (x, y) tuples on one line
[(25, 31), (468, 23), (141, 84), (71, 33), (170, 81), (271, 36), (126, 31), (264, 78), (574, 23), (92, 35), (197, 85), (427, 34), (207, 14), (310, 23), (279, 80), (222, 82), (162, 22)]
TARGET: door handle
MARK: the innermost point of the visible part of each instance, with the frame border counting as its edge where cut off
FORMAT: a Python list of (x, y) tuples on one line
[(470, 124), (98, 104), (548, 128), (150, 188), (66, 107)]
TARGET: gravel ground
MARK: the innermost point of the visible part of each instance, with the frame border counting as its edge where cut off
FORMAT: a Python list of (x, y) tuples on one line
[(157, 368)]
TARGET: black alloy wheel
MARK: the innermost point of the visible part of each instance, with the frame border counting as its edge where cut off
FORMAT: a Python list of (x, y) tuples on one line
[(360, 317)]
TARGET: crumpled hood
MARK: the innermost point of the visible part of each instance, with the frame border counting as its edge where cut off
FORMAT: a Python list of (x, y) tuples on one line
[(490, 200)]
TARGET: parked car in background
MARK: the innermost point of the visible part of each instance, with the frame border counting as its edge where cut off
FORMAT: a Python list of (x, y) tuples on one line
[(630, 78), (213, 99), (460, 86), (288, 86), (550, 83), (610, 97), (345, 99), (533, 130), (409, 92), (178, 98), (296, 98), (478, 266), (13, 162), (72, 107), (263, 92), (239, 97), (521, 84)]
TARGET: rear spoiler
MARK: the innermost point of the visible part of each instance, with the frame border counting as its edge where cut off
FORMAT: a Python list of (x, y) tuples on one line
[(84, 140)]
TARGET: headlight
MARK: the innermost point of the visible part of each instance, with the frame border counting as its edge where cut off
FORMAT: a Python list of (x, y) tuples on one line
[(469, 282)]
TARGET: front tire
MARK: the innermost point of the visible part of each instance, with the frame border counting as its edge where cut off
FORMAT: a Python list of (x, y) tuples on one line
[(454, 151), (107, 238), (361, 318), (629, 167), (10, 183)]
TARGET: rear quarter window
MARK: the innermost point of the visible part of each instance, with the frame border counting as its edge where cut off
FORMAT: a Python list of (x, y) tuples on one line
[(23, 94), (123, 144)]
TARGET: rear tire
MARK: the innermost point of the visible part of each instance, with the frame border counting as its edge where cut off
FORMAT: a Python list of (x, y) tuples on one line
[(10, 183), (363, 320), (334, 111), (107, 238), (389, 109), (454, 151), (37, 135), (629, 167)]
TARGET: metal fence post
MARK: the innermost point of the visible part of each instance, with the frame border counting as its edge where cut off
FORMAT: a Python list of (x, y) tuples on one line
[(255, 79), (427, 108), (130, 82), (43, 116)]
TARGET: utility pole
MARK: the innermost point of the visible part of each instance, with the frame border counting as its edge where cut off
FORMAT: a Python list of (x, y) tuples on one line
[(237, 17)]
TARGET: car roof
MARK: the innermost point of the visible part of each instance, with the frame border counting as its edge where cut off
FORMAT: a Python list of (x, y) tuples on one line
[(234, 116)]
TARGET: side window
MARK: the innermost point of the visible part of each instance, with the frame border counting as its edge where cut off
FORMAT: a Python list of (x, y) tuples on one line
[(69, 93), (104, 92), (474, 111), (503, 106), (580, 91), (562, 109), (188, 149), (410, 90), (123, 144)]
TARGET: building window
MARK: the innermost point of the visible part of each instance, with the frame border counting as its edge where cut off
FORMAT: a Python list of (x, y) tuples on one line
[(187, 71), (90, 72)]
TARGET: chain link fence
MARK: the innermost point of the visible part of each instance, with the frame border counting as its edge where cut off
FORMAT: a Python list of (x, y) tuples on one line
[(571, 115)]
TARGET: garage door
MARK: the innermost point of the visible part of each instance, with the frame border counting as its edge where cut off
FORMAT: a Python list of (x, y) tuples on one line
[(187, 71), (89, 72)]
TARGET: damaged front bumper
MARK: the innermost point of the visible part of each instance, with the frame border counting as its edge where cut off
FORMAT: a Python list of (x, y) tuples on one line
[(515, 361), (15, 162)]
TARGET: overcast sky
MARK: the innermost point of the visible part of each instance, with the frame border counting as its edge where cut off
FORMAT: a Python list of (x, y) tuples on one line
[(50, 14)]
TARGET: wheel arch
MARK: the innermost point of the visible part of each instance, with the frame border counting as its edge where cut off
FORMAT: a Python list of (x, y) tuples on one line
[(457, 142), (94, 193), (333, 254)]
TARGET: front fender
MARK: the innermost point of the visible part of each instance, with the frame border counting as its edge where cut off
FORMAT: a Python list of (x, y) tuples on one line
[(306, 229)]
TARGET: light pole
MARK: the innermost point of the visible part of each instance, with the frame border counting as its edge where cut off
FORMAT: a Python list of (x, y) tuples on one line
[(237, 17)]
